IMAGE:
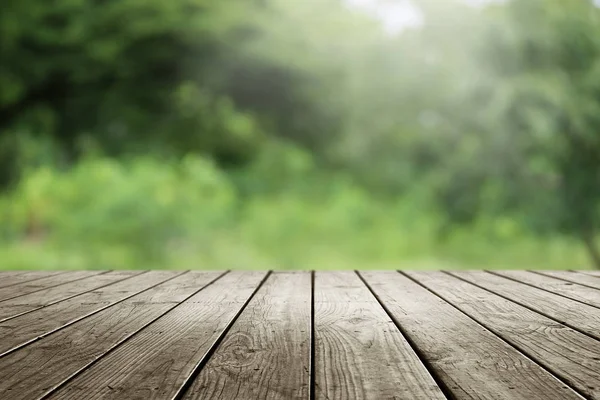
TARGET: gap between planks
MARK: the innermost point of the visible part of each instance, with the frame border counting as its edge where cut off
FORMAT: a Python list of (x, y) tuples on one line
[(445, 334), (171, 345), (49, 320), (576, 315), (198, 369), (538, 337), (555, 285)]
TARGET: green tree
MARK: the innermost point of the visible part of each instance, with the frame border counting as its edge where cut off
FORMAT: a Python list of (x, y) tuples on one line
[(533, 116)]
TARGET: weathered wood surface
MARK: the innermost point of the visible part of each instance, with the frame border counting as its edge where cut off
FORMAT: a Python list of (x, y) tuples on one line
[(14, 278), (540, 338), (34, 301), (572, 313), (574, 277), (467, 357), (555, 285), (266, 354), (13, 291), (299, 335), (350, 325), (25, 329), (156, 363), (46, 364)]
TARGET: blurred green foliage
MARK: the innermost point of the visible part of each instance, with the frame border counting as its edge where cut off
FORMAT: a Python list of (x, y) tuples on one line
[(142, 213), (298, 134)]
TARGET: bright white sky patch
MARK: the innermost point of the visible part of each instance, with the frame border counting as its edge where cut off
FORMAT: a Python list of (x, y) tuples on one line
[(397, 15)]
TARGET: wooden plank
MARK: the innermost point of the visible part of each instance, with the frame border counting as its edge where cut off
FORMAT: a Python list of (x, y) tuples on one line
[(38, 369), (266, 354), (34, 301), (555, 285), (575, 277), (24, 288), (592, 273), (157, 362), (29, 327), (567, 353), (10, 278), (574, 314), (471, 361), (11, 273), (359, 351)]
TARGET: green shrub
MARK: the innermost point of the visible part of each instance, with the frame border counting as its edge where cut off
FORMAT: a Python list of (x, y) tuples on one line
[(118, 213), (280, 212)]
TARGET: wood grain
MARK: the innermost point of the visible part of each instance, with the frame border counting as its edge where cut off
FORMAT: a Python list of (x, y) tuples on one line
[(11, 278), (470, 360), (572, 313), (574, 277), (156, 362), (591, 273), (36, 285), (179, 335), (29, 327), (41, 367), (359, 351), (33, 301), (266, 354), (567, 289), (567, 353)]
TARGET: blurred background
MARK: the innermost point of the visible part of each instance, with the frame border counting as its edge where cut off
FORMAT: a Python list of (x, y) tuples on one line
[(299, 134)]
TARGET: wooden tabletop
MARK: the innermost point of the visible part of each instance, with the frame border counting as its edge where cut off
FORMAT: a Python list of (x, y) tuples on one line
[(300, 335)]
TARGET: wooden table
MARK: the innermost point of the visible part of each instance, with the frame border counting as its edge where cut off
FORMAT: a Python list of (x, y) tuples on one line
[(299, 335)]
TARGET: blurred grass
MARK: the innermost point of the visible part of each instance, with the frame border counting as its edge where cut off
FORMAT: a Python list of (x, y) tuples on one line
[(143, 213)]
